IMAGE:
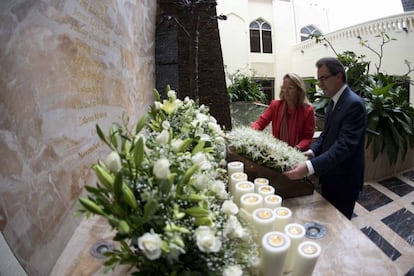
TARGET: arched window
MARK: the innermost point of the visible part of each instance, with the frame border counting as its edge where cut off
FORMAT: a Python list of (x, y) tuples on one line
[(260, 37), (308, 30)]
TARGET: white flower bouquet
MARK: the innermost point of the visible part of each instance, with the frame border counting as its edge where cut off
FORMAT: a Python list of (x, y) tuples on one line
[(263, 148), (162, 188)]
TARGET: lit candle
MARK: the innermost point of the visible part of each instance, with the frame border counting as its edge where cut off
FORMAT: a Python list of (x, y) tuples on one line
[(263, 220), (251, 201), (242, 187), (296, 233), (266, 190), (272, 201), (307, 255), (275, 246), (283, 217), (235, 166), (234, 179), (260, 181)]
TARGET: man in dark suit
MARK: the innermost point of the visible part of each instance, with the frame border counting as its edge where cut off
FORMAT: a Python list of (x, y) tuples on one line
[(337, 156)]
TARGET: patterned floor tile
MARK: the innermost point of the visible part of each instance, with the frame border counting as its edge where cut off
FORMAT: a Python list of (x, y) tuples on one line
[(410, 273), (383, 244), (397, 186), (371, 199), (402, 223), (409, 175)]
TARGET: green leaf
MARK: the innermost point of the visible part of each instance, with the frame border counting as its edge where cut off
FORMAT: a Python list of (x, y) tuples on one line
[(150, 208), (141, 123), (139, 152)]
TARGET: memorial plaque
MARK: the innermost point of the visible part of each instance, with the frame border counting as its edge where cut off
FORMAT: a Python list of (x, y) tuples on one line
[(65, 66)]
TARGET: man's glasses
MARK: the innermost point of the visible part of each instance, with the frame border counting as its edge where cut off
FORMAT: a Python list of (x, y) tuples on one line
[(324, 78)]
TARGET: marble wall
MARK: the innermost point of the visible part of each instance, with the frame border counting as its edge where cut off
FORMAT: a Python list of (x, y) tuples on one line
[(65, 66)]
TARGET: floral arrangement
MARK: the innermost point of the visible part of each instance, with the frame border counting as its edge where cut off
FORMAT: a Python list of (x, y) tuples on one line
[(162, 188), (263, 148)]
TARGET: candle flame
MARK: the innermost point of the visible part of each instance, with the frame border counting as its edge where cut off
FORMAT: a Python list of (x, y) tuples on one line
[(295, 230), (261, 180), (251, 199), (275, 240), (244, 186), (273, 199), (238, 175), (282, 212), (265, 189), (264, 214), (309, 249)]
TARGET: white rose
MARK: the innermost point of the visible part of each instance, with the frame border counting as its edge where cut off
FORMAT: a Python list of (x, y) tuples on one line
[(214, 127), (176, 144), (219, 189), (157, 105), (206, 240), (161, 168), (229, 207), (165, 124), (113, 162), (233, 270), (201, 117), (163, 137), (201, 182), (171, 94), (150, 244), (201, 159)]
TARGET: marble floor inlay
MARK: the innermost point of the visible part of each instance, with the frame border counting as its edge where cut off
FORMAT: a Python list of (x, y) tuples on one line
[(372, 199), (402, 223), (397, 186), (382, 243), (385, 214)]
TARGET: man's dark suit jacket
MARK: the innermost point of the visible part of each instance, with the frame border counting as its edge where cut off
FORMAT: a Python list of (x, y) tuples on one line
[(340, 149)]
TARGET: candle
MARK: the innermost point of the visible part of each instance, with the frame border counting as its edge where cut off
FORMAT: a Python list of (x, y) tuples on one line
[(307, 255), (266, 190), (235, 166), (275, 247), (260, 181), (246, 216), (235, 178), (263, 220), (251, 201), (272, 201), (296, 232), (283, 217), (242, 187)]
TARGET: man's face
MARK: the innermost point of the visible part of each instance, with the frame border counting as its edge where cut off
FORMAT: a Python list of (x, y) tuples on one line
[(330, 84)]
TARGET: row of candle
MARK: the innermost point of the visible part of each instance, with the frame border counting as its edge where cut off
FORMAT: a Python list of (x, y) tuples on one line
[(282, 241)]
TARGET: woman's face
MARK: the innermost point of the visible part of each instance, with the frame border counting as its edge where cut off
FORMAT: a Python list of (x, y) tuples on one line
[(290, 91)]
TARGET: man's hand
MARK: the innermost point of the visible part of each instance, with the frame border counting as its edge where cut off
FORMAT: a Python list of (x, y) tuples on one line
[(297, 172), (309, 154)]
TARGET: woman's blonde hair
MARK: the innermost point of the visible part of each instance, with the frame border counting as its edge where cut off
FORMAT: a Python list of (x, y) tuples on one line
[(300, 85)]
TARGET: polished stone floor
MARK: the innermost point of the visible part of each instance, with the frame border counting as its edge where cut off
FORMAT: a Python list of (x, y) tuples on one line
[(385, 214)]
